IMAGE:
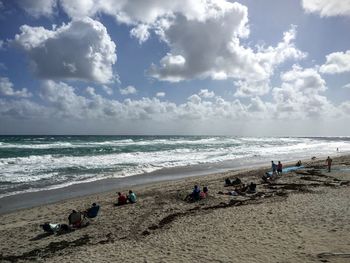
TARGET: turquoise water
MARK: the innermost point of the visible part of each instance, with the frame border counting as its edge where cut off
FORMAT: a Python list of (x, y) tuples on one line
[(32, 163)]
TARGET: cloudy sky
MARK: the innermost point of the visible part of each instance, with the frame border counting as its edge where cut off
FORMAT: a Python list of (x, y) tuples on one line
[(251, 68)]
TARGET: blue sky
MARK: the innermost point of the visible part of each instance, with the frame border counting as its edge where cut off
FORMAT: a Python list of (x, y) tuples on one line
[(251, 68)]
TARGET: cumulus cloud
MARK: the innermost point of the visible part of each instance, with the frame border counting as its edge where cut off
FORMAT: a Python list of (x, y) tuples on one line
[(214, 28), (345, 107), (216, 52), (81, 49), (128, 90), (107, 89), (140, 32), (62, 102), (347, 86), (299, 97), (38, 8), (22, 109), (301, 94), (138, 11), (257, 105), (251, 88), (6, 88), (160, 94), (204, 93), (337, 62), (327, 8)]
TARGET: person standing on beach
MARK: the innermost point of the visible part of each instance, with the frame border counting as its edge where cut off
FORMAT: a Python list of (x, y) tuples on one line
[(273, 167), (279, 168), (329, 163)]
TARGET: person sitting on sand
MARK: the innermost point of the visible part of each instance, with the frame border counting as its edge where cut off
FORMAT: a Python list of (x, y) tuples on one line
[(251, 188), (298, 163), (195, 195), (329, 163), (267, 177), (121, 199), (228, 182), (75, 219), (204, 193), (50, 228), (236, 181), (56, 228), (279, 168), (132, 197), (92, 211)]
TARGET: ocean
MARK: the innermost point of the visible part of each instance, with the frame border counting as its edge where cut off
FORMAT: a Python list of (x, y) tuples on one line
[(35, 163)]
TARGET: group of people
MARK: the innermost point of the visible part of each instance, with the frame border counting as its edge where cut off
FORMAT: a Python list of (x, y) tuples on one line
[(123, 199), (276, 168), (240, 188), (76, 220), (197, 194)]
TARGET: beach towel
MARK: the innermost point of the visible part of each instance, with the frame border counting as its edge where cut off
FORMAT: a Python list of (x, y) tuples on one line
[(289, 169)]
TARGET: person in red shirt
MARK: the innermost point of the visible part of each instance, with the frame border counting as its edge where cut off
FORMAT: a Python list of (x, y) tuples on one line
[(204, 194), (279, 168), (121, 199)]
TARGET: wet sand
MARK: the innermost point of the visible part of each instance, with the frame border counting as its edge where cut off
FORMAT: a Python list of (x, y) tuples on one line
[(303, 216)]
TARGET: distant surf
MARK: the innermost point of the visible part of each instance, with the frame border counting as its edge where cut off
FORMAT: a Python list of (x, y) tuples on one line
[(34, 163)]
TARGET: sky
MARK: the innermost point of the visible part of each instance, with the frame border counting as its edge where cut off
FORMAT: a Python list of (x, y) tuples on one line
[(187, 67)]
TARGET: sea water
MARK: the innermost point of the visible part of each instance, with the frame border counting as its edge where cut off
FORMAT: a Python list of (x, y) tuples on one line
[(34, 163)]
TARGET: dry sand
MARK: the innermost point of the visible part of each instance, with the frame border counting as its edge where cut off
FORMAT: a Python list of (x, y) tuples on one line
[(303, 216)]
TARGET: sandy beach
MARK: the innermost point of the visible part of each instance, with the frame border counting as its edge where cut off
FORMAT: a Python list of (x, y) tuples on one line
[(303, 216)]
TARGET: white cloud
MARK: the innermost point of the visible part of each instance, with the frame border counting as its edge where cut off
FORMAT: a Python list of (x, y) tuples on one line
[(107, 89), (213, 27), (81, 50), (138, 11), (345, 108), (38, 8), (299, 98), (204, 93), (337, 62), (257, 105), (216, 52), (6, 88), (300, 94), (251, 88), (22, 109), (160, 94), (327, 8), (63, 102), (128, 90), (140, 32), (64, 99), (347, 86)]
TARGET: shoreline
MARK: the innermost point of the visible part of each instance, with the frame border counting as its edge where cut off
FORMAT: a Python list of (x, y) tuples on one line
[(31, 199), (300, 217)]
